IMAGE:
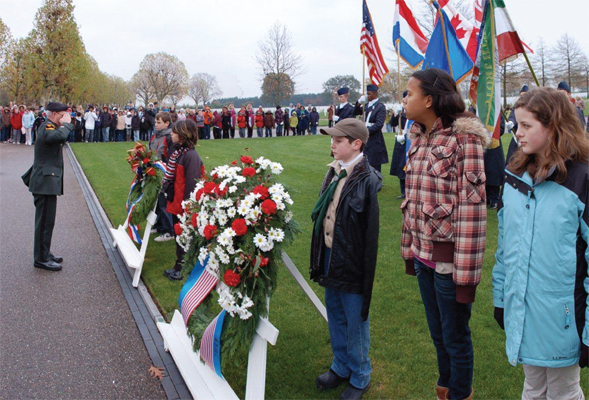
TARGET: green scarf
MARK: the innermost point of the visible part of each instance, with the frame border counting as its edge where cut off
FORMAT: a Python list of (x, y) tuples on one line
[(322, 205)]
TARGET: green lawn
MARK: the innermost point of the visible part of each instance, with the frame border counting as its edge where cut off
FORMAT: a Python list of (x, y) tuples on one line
[(403, 357)]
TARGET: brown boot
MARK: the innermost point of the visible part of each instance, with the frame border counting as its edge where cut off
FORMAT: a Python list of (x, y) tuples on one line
[(442, 392)]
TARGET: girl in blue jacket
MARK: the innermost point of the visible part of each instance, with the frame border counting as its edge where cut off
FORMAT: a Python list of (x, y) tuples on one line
[(540, 279)]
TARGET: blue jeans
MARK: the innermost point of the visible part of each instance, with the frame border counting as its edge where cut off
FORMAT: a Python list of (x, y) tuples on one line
[(268, 132), (89, 135), (136, 135), (5, 135), (260, 132), (207, 129), (105, 132), (241, 132), (279, 130), (314, 129), (349, 334), (98, 134), (448, 326)]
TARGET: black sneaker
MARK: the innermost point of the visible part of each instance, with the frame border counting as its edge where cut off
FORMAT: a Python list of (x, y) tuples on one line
[(353, 393), (173, 275), (329, 380), (401, 197), (493, 206)]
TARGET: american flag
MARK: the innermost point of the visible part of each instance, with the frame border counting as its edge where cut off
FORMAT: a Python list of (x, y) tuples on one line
[(377, 68), (201, 289), (210, 344)]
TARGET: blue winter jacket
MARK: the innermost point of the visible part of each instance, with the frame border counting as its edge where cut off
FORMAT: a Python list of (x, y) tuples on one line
[(540, 274)]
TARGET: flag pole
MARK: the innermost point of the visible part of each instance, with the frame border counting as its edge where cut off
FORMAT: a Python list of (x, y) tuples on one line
[(363, 81), (399, 74), (531, 69)]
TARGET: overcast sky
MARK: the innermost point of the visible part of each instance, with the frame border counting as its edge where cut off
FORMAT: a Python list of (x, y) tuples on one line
[(221, 37)]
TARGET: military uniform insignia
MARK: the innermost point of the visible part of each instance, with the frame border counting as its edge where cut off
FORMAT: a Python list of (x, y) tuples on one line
[(50, 127)]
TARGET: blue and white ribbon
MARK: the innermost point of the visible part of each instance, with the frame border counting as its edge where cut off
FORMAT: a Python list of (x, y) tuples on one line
[(133, 230), (197, 287), (210, 344)]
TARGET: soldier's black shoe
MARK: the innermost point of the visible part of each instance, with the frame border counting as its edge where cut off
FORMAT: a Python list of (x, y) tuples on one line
[(48, 265), (353, 393), (329, 380), (56, 259), (172, 274)]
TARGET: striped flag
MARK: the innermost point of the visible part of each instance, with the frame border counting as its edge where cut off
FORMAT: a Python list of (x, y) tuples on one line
[(465, 30), (133, 230), (197, 287), (408, 39), (377, 68), (508, 41), (485, 85), (210, 344)]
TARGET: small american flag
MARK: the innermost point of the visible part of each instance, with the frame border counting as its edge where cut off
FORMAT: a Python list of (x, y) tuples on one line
[(210, 344), (201, 289), (377, 68)]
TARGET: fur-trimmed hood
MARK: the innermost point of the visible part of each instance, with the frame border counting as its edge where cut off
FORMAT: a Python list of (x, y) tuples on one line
[(462, 125)]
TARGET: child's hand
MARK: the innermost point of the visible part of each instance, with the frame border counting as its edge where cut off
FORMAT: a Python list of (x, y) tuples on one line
[(498, 315)]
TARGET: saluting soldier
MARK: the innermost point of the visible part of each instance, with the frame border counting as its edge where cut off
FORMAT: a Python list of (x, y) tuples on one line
[(45, 181), (375, 114), (344, 109)]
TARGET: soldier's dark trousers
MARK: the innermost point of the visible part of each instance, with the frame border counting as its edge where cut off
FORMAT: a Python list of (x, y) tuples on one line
[(45, 210)]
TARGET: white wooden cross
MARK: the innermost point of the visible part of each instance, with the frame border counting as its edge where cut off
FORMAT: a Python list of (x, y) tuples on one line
[(133, 257)]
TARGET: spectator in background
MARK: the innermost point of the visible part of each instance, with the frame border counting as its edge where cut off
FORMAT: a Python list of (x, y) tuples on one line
[(28, 120), (16, 123), (128, 127), (145, 124), (105, 120), (242, 121), (173, 114), (181, 115), (200, 124), (208, 122), (260, 121), (303, 121), (78, 122), (6, 127), (90, 123), (286, 119), (98, 127), (294, 122), (279, 120), (225, 122), (580, 104), (250, 117), (38, 121), (217, 125), (233, 120), (314, 120), (268, 123), (121, 126), (135, 125)]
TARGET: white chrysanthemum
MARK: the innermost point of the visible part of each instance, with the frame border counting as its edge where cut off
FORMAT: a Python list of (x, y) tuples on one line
[(229, 232), (288, 217), (232, 189), (240, 179), (224, 258), (244, 314), (231, 212), (238, 261), (248, 201), (243, 210), (276, 168), (260, 240), (230, 249), (247, 302), (287, 199), (276, 188), (222, 219), (212, 220), (276, 234), (202, 255), (269, 245), (280, 206), (276, 197), (223, 240)]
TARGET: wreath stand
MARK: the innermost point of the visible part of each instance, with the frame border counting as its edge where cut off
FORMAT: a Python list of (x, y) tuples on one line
[(203, 382), (133, 258)]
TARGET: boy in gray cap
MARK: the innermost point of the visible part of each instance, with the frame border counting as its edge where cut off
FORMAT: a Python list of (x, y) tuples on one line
[(343, 255)]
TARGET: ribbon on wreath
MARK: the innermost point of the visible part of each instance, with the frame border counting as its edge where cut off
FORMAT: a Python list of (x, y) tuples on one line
[(210, 344), (133, 230), (197, 287), (161, 166)]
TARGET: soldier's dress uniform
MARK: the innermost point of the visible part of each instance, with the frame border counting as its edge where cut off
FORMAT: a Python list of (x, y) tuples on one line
[(45, 182), (375, 115), (344, 110)]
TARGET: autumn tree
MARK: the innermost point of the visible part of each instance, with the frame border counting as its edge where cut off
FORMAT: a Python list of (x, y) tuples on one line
[(203, 87), (568, 59), (165, 73), (331, 86), (141, 86), (276, 88), (279, 63)]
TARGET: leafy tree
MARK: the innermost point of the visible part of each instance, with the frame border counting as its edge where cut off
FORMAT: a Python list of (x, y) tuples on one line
[(331, 86), (277, 87)]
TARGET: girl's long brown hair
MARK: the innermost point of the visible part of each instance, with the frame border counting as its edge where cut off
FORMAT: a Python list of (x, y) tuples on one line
[(568, 141)]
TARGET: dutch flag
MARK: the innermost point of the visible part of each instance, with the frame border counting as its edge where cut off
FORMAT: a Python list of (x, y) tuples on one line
[(409, 41)]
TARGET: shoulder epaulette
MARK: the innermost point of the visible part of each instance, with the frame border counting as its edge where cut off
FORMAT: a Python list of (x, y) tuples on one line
[(50, 127)]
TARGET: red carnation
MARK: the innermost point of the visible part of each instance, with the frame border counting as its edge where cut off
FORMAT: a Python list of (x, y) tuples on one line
[(202, 171), (177, 229), (220, 192), (193, 220), (150, 171), (210, 231), (199, 194), (249, 171), (234, 162), (262, 191), (263, 261), (239, 226), (231, 278), (247, 160), (268, 207), (145, 160), (209, 187)]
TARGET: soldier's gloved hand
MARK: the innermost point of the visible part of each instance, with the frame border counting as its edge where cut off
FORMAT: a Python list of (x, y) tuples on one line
[(335, 118), (400, 138), (509, 125), (362, 99), (498, 315), (66, 118)]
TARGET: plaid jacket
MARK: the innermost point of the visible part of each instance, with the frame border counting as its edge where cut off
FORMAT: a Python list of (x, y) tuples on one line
[(444, 213)]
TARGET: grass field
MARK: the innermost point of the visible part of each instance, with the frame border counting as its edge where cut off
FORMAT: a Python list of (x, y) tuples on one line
[(403, 357)]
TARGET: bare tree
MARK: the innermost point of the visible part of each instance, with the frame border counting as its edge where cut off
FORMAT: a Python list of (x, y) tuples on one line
[(203, 87), (568, 59), (278, 60), (425, 14), (165, 73), (141, 86), (541, 63)]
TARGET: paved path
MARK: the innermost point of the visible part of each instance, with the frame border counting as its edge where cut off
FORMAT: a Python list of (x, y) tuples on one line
[(66, 334)]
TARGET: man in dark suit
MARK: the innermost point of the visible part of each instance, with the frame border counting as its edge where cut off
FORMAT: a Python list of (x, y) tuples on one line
[(344, 109), (375, 114), (45, 181)]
